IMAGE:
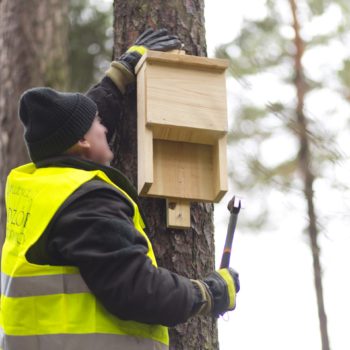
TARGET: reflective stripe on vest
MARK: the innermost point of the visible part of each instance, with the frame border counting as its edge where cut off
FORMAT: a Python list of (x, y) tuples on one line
[(42, 285), (51, 307), (78, 341)]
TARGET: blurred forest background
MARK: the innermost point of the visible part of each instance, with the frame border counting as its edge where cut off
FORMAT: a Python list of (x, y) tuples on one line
[(289, 82), (289, 141)]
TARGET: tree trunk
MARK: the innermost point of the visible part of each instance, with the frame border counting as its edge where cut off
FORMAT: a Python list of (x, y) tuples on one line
[(188, 252), (33, 38), (308, 177)]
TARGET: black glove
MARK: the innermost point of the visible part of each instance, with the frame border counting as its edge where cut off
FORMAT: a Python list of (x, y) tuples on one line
[(158, 40), (122, 71), (218, 291)]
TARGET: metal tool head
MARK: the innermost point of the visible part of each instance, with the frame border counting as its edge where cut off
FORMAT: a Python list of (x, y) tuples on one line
[(234, 205)]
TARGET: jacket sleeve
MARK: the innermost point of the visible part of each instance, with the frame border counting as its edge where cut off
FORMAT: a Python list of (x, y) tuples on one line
[(96, 233), (109, 102)]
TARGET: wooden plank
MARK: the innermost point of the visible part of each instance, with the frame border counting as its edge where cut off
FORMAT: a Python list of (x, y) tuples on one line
[(182, 170), (189, 99), (220, 169), (178, 213), (178, 133), (189, 61), (178, 52), (144, 138), (182, 127)]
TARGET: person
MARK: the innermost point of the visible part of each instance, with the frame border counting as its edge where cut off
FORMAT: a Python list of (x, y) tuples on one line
[(78, 270)]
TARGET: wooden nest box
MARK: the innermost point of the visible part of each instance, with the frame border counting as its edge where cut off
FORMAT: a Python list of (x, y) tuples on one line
[(182, 127)]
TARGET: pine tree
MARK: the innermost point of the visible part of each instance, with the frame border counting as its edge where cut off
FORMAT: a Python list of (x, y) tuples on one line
[(90, 42), (33, 41), (188, 252)]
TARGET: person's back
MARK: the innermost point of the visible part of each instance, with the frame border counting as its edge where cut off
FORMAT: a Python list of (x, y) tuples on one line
[(52, 304), (78, 270)]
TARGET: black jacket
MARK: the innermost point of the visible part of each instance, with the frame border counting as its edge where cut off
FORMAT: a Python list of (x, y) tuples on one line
[(94, 231)]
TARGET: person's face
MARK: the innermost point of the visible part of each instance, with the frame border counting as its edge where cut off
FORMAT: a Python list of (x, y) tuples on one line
[(94, 144)]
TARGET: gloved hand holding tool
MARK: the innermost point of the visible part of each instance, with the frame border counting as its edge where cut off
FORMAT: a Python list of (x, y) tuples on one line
[(122, 71), (219, 288)]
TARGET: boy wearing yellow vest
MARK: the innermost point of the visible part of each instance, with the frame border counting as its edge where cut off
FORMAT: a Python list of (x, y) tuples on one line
[(78, 271)]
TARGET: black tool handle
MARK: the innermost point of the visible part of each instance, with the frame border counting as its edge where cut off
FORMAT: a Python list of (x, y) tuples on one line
[(226, 255)]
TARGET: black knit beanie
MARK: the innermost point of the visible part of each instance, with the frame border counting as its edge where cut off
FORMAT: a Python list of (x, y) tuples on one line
[(54, 121)]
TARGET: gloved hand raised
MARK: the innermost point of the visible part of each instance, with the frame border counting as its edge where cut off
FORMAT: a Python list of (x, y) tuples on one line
[(158, 40), (218, 291), (122, 71)]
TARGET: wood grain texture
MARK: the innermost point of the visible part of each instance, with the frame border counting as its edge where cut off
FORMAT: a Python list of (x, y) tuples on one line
[(172, 58), (185, 91), (220, 169), (182, 170), (178, 213), (182, 108), (187, 98), (144, 139), (188, 252), (307, 172)]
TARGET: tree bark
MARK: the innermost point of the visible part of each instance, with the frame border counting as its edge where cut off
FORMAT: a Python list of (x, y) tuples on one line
[(304, 157), (33, 38), (188, 252)]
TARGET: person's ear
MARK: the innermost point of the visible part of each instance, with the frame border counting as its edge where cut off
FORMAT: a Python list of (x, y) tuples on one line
[(84, 144)]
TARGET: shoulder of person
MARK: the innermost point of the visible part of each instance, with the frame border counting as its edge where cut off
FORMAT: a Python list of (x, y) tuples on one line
[(101, 192)]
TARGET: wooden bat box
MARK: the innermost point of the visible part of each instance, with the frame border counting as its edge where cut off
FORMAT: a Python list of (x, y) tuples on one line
[(182, 127)]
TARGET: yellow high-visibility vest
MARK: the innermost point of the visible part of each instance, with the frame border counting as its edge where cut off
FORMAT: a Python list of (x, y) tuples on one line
[(51, 307)]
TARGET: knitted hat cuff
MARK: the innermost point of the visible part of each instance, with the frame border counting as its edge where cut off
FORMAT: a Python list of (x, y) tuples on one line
[(68, 134)]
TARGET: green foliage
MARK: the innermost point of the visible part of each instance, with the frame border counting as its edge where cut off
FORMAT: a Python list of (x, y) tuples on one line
[(344, 73), (259, 48), (263, 49), (317, 7), (90, 43)]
